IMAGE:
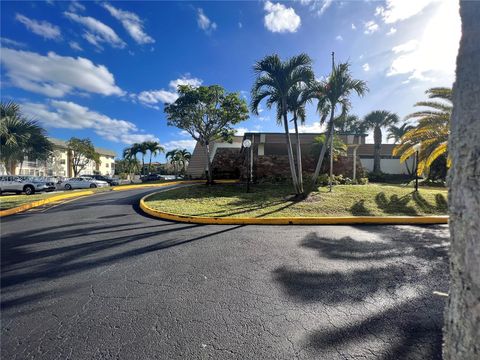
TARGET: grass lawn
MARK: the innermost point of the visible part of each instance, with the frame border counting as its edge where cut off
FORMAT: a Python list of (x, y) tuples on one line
[(275, 201), (9, 200)]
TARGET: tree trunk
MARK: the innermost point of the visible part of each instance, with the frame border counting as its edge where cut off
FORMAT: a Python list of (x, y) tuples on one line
[(150, 164), (330, 177), (322, 152), (299, 157), (143, 164), (290, 155), (462, 320), (377, 139), (209, 164)]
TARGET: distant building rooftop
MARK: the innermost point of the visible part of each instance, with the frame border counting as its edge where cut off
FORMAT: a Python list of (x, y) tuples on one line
[(101, 151)]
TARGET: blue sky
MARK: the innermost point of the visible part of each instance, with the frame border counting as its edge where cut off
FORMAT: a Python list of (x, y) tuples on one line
[(104, 69)]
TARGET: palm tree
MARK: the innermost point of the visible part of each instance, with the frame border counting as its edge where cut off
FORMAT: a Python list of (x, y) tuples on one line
[(377, 120), (276, 80), (142, 149), (395, 133), (173, 157), (330, 93), (184, 157), (20, 137), (296, 106), (154, 148), (431, 132), (348, 124), (130, 156)]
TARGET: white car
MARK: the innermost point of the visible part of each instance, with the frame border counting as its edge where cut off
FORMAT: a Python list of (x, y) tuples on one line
[(19, 184), (82, 183)]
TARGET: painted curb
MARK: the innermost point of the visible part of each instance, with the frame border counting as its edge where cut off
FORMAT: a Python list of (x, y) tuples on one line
[(25, 207), (37, 203), (343, 220)]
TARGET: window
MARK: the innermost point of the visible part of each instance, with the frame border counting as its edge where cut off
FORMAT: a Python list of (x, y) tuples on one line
[(106, 165), (62, 161)]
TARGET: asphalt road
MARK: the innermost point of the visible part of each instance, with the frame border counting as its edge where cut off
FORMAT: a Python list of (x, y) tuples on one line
[(96, 279)]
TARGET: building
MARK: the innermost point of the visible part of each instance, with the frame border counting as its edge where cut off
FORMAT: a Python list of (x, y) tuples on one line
[(268, 156), (59, 164)]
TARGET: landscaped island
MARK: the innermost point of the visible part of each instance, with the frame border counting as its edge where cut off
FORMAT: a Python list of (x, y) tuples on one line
[(275, 201)]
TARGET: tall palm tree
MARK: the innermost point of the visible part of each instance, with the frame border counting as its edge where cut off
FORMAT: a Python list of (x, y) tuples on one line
[(20, 137), (296, 105), (173, 157), (432, 131), (330, 93), (142, 149), (396, 133), (348, 124), (184, 157), (377, 120), (130, 155), (154, 148), (275, 81)]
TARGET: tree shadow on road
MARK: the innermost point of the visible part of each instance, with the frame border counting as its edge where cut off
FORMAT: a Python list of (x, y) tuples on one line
[(385, 282)]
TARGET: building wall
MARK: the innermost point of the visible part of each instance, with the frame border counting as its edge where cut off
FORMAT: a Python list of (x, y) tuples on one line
[(388, 166)]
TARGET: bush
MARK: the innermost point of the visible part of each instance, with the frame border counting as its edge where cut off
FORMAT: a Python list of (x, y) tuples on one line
[(363, 181), (340, 180)]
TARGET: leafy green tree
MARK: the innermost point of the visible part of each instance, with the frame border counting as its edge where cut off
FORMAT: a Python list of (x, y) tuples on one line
[(277, 81), (432, 131), (377, 120), (173, 157), (339, 147), (350, 124), (82, 152), (154, 148), (334, 91), (20, 137), (208, 114), (395, 132)]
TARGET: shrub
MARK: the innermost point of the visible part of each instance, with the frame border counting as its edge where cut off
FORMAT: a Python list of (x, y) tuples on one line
[(363, 181), (389, 178)]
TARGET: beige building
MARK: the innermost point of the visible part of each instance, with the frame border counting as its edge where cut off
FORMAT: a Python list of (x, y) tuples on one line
[(59, 164)]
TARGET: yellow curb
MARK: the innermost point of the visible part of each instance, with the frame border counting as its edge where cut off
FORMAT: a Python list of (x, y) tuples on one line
[(342, 220), (140, 186), (37, 203)]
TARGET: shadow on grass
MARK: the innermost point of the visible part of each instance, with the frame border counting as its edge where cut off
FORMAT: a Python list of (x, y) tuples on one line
[(359, 209)]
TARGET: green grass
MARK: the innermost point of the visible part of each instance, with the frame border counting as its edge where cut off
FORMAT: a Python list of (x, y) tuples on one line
[(275, 201), (9, 200)]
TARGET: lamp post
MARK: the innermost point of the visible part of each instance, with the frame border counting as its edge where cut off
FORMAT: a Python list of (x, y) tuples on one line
[(246, 144), (417, 149)]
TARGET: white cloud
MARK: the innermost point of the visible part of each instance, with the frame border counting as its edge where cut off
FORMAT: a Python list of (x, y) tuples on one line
[(406, 47), (434, 51), (204, 22), (56, 76), (240, 25), (10, 42), (42, 28), (152, 97), (97, 32), (76, 6), (398, 10), (366, 67), (312, 128), (69, 115), (339, 38), (391, 31), (318, 6), (132, 24), (370, 27), (281, 19), (354, 27), (75, 45), (180, 144)]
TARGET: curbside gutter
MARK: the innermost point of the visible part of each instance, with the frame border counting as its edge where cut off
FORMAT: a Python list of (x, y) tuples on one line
[(42, 202), (342, 220)]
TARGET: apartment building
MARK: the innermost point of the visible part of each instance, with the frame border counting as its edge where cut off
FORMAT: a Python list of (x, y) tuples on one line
[(59, 164)]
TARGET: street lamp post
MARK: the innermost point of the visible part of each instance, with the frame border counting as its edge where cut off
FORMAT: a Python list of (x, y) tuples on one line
[(246, 144), (416, 148)]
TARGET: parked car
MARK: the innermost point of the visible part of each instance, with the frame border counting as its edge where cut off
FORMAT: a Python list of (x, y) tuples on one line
[(17, 184), (109, 180), (82, 183), (151, 177), (49, 182)]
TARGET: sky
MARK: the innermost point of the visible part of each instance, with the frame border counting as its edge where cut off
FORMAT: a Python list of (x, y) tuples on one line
[(104, 70)]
